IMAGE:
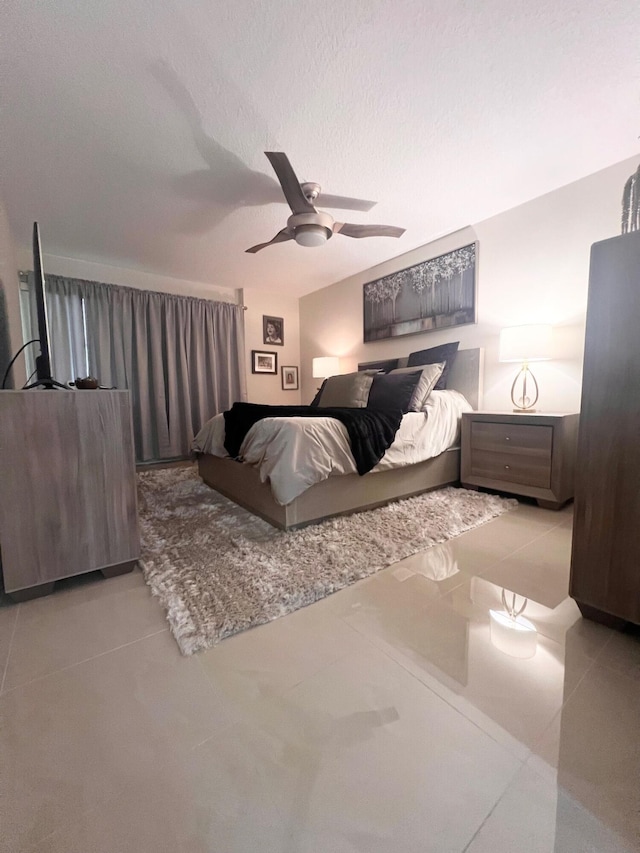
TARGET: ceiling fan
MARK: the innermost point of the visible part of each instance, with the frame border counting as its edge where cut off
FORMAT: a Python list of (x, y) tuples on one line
[(306, 225)]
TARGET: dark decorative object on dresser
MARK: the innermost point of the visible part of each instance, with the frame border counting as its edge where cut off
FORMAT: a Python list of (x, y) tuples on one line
[(605, 563), (532, 455), (89, 383), (433, 294)]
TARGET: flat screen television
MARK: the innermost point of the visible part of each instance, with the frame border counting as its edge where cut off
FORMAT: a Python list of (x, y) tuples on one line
[(44, 378)]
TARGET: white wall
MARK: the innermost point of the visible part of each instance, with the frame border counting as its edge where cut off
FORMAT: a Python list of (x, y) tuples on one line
[(9, 287), (533, 264), (90, 271)]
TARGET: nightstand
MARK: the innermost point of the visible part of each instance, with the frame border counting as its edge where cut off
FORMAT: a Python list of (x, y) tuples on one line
[(528, 454)]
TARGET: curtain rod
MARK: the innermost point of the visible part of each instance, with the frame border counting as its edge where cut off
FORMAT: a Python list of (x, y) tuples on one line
[(24, 276)]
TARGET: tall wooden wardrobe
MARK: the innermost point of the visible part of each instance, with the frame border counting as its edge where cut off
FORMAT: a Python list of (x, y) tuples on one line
[(605, 563)]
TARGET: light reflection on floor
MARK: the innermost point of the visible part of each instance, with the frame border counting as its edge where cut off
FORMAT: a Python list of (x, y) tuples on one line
[(382, 718)]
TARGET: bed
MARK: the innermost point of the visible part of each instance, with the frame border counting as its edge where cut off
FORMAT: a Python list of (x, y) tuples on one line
[(340, 493)]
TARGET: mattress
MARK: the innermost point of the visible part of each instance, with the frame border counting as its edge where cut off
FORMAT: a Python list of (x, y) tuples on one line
[(296, 453)]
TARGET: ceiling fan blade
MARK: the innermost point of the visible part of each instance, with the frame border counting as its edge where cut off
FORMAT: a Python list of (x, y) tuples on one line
[(342, 202), (281, 237), (291, 188), (350, 230)]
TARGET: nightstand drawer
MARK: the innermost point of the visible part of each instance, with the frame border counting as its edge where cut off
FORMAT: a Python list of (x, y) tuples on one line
[(528, 454), (522, 439), (512, 467)]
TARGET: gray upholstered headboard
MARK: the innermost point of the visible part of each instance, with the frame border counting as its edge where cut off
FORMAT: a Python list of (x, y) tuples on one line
[(465, 372), (466, 375)]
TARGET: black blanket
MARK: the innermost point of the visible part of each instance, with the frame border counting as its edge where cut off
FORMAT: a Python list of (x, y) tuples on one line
[(371, 432)]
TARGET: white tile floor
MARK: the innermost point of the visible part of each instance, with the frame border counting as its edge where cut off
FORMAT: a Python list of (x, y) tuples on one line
[(379, 719)]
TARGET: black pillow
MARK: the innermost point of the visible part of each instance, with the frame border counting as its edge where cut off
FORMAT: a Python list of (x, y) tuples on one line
[(393, 390), (434, 355), (316, 399)]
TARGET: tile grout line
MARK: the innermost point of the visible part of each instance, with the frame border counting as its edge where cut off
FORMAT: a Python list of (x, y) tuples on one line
[(435, 602), (526, 544), (491, 563), (6, 663), (560, 710), (461, 713), (597, 662), (492, 810), (85, 660), (594, 660)]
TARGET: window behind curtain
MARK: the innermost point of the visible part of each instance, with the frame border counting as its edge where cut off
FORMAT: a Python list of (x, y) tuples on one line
[(67, 326), (27, 322)]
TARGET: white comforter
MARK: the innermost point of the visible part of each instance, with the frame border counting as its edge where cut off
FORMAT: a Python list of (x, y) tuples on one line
[(295, 453)]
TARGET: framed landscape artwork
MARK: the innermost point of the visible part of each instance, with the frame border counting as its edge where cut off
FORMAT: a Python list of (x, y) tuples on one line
[(264, 362), (434, 294), (289, 375), (273, 330)]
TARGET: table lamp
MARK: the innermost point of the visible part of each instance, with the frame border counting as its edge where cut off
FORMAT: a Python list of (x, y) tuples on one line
[(525, 344), (326, 365)]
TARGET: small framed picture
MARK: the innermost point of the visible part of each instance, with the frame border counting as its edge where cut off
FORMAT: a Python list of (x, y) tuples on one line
[(273, 330), (264, 362), (289, 378)]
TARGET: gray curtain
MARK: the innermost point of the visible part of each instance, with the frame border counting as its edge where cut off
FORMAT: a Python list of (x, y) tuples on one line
[(182, 358), (64, 310)]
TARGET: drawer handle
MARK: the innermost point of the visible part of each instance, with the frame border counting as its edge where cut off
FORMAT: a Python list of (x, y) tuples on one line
[(507, 467)]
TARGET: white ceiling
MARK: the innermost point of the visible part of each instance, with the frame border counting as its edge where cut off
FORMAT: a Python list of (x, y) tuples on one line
[(135, 131)]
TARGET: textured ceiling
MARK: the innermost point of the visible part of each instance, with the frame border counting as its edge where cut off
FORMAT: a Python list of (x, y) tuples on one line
[(135, 131)]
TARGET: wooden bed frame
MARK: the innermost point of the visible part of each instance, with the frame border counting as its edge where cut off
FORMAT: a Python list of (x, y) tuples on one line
[(349, 492)]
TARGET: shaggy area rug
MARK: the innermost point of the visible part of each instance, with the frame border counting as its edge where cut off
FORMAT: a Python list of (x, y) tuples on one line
[(217, 569)]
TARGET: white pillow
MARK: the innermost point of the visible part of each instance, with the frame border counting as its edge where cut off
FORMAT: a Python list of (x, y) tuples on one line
[(427, 382)]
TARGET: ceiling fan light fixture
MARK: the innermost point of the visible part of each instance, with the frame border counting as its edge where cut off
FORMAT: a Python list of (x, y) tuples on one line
[(311, 235), (306, 225)]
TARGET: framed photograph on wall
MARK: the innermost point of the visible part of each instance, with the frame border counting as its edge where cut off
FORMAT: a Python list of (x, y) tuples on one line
[(264, 362), (434, 294), (273, 330), (289, 374)]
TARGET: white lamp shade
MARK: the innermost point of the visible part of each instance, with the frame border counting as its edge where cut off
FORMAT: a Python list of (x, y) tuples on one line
[(327, 365), (525, 343)]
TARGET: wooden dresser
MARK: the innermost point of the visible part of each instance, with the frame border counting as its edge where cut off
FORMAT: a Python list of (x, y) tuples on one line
[(68, 495), (605, 561), (532, 454)]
